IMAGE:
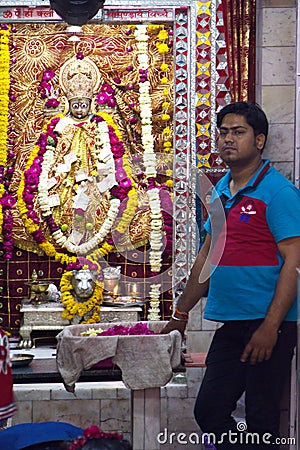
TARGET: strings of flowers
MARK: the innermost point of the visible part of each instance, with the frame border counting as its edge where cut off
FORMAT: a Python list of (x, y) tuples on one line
[(149, 155), (6, 200), (36, 179), (156, 236), (125, 190), (148, 143), (139, 329), (154, 312), (141, 37), (26, 193), (161, 223)]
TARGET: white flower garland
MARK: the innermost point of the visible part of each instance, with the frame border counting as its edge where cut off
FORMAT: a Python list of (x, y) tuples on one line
[(103, 153), (87, 247), (103, 149), (43, 191), (141, 36), (156, 235), (154, 313), (156, 227)]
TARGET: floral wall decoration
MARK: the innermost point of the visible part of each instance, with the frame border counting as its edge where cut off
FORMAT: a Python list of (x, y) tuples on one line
[(6, 199)]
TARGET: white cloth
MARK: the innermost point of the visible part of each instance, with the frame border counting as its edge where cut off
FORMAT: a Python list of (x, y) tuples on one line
[(146, 361)]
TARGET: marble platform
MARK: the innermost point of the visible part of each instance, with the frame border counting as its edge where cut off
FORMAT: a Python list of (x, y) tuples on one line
[(109, 403), (47, 317)]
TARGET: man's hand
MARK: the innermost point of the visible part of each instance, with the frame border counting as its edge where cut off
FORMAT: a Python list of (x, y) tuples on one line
[(261, 344), (263, 340), (179, 325)]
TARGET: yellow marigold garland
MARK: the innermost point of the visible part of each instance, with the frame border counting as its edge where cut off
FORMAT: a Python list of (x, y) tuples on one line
[(132, 201), (74, 308), (110, 122), (129, 212), (4, 105), (100, 252)]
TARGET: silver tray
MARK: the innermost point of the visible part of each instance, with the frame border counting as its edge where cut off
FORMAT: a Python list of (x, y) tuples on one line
[(124, 304), (21, 359)]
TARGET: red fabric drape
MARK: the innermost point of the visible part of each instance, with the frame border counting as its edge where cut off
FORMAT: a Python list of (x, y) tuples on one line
[(240, 31), (7, 405)]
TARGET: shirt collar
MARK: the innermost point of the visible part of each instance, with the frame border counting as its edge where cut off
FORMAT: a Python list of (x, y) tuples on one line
[(224, 182)]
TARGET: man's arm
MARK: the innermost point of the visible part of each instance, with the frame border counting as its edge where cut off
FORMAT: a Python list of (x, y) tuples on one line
[(263, 340), (196, 287)]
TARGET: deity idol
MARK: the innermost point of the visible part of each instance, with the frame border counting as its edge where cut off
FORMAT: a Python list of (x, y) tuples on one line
[(80, 195)]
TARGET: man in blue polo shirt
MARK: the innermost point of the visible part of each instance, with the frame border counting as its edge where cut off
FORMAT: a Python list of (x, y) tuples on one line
[(247, 268)]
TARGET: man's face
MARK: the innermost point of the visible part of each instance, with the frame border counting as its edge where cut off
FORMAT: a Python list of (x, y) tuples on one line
[(80, 107), (237, 143)]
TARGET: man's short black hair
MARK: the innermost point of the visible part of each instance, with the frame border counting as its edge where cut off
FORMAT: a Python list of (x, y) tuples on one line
[(253, 114)]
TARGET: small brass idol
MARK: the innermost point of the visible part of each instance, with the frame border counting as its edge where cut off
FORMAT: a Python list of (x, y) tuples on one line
[(38, 289)]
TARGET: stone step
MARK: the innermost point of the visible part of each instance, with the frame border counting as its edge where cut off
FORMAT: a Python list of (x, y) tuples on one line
[(194, 359)]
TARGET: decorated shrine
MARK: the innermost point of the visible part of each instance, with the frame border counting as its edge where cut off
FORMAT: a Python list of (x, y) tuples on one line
[(108, 147), (108, 157)]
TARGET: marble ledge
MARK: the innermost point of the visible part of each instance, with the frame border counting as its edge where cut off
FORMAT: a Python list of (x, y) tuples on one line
[(56, 391), (92, 391)]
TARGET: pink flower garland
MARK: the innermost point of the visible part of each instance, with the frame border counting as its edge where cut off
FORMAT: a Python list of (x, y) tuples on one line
[(31, 180), (138, 329), (47, 91), (106, 96)]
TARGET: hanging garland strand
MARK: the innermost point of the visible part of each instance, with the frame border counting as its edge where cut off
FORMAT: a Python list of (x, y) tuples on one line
[(4, 100), (6, 200)]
